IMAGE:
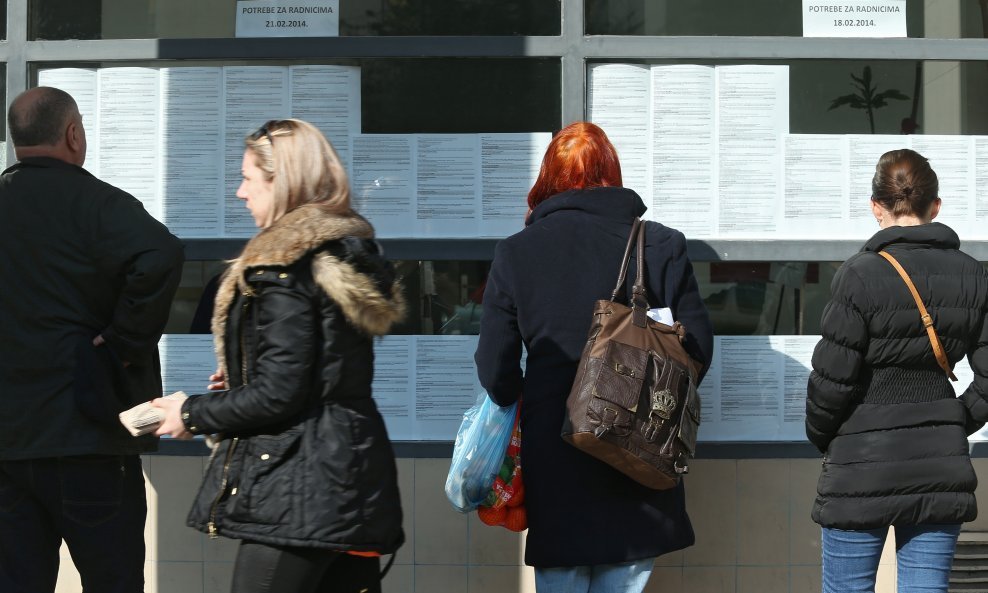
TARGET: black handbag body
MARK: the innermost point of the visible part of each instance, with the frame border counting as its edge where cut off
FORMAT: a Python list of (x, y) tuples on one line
[(634, 403)]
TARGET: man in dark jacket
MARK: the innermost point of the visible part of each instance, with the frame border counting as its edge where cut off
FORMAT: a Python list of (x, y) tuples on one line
[(88, 279)]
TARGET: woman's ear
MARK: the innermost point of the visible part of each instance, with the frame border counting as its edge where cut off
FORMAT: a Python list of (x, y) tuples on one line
[(877, 210), (935, 208)]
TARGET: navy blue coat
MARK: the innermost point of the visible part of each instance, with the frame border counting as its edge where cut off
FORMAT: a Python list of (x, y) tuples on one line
[(540, 293)]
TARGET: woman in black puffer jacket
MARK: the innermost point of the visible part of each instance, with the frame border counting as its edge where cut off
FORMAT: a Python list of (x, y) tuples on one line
[(304, 472), (881, 409)]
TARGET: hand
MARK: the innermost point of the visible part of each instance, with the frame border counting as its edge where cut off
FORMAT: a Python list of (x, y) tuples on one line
[(217, 381), (99, 340), (172, 425)]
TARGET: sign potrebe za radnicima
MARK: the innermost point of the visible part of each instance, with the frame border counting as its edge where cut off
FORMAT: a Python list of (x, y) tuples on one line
[(288, 18), (854, 18)]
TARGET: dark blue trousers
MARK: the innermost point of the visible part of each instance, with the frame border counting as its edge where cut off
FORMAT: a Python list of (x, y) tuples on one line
[(96, 503)]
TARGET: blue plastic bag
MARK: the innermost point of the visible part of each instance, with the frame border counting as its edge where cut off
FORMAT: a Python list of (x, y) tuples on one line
[(478, 452)]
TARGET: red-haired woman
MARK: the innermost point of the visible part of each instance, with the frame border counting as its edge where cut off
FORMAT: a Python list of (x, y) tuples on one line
[(591, 529)]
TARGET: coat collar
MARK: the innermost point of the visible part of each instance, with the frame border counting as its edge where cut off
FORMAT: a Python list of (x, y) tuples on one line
[(615, 203), (303, 231), (934, 234), (45, 163), (298, 233)]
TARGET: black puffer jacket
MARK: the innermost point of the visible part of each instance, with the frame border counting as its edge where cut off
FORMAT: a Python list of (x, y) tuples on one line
[(878, 406), (304, 459)]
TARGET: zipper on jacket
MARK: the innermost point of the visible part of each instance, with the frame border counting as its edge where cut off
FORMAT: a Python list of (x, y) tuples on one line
[(211, 526), (224, 482)]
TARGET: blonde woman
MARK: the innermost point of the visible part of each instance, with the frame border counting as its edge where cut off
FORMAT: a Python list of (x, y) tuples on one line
[(304, 473)]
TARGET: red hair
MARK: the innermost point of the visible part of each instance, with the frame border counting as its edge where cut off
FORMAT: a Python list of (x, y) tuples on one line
[(580, 156)]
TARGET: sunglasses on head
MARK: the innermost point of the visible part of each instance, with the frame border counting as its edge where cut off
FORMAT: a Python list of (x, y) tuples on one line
[(265, 131)]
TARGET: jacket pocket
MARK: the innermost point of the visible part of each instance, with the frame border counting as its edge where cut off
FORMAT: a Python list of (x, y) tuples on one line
[(97, 388), (268, 488)]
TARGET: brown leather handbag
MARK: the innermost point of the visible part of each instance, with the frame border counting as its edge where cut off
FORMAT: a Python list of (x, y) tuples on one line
[(634, 403)]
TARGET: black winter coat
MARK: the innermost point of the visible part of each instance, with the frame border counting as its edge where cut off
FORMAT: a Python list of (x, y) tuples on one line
[(304, 457), (540, 292), (878, 406), (79, 258)]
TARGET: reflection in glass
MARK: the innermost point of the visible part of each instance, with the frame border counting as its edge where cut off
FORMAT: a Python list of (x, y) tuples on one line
[(434, 95), (155, 19), (446, 297), (949, 20)]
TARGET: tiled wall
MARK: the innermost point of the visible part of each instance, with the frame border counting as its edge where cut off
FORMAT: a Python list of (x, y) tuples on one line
[(751, 518)]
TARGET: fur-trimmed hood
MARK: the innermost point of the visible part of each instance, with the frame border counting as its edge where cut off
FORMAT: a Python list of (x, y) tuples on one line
[(353, 285)]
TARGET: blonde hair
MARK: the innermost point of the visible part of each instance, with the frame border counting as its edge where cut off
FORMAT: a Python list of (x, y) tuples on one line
[(303, 165)]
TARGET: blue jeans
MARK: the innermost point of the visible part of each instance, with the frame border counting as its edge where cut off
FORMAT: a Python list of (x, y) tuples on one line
[(627, 577), (96, 503), (924, 554)]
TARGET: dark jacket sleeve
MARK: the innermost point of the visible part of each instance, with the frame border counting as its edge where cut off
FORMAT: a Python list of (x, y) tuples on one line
[(499, 348), (682, 294), (975, 397), (280, 384), (131, 245), (837, 359)]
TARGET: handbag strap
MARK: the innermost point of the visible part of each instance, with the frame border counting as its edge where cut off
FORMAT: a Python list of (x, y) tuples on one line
[(619, 291), (639, 302), (938, 350)]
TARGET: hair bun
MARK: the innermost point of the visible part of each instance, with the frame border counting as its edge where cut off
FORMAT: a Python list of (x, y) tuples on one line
[(907, 191)]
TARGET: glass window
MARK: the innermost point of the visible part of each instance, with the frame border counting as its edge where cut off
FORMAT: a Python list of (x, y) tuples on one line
[(432, 95), (446, 297), (176, 19), (460, 95), (921, 97), (952, 19)]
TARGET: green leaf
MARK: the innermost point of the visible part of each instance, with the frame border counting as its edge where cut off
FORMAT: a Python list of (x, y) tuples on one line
[(892, 94), (852, 101)]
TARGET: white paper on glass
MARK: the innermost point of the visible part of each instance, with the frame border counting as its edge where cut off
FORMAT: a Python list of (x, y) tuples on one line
[(187, 361), (980, 183), (191, 149), (952, 158), (755, 389), (447, 200), (252, 96), (752, 117), (393, 386), (814, 174), (383, 182), (82, 84), (328, 97), (683, 168), (618, 102), (509, 166), (446, 384), (288, 18), (864, 18), (864, 150), (797, 355), (128, 121)]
